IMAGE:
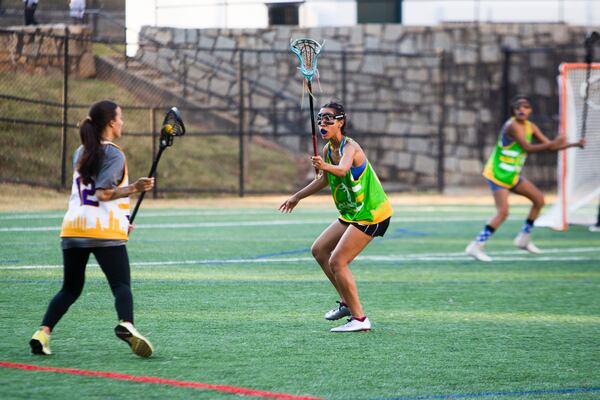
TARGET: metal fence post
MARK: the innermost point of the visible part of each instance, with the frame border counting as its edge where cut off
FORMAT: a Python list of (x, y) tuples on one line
[(95, 23), (125, 56), (441, 145), (241, 133), (275, 117), (65, 108), (184, 76), (344, 80), (505, 83)]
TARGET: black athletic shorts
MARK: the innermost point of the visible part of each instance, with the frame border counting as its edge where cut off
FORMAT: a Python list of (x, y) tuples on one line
[(371, 230)]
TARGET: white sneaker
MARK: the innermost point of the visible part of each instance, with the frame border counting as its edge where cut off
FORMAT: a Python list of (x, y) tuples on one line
[(523, 241), (595, 228), (475, 250), (354, 325), (139, 345), (40, 343), (340, 311)]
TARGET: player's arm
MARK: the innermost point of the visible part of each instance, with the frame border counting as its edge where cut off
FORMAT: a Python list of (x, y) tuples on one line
[(518, 134), (343, 167), (141, 185), (111, 175), (318, 184), (557, 144), (538, 134)]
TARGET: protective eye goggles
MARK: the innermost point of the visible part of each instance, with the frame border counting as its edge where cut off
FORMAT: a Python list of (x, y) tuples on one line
[(328, 118), (521, 104)]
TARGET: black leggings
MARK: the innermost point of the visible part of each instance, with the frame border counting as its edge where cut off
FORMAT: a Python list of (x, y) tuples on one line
[(115, 265)]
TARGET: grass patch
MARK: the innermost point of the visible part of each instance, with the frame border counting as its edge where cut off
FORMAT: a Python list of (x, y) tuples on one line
[(444, 325), (203, 163)]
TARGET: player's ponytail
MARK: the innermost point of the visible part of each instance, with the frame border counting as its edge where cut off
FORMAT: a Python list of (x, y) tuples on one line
[(90, 132)]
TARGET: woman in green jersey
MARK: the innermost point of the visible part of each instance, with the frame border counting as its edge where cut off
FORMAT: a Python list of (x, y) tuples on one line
[(364, 208), (503, 174)]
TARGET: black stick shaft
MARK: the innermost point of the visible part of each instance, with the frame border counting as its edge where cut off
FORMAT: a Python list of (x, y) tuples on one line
[(312, 121), (150, 175), (589, 55)]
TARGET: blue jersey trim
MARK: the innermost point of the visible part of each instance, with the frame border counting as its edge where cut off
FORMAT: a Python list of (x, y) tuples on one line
[(357, 171)]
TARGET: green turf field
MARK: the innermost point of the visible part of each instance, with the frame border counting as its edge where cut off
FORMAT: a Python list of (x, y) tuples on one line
[(232, 297)]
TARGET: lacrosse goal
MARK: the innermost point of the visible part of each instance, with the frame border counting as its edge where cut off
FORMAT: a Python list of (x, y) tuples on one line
[(578, 169)]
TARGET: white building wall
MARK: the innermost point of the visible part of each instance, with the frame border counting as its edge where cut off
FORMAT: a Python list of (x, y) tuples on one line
[(317, 13)]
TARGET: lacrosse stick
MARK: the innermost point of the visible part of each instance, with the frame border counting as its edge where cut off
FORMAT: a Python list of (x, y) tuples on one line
[(590, 40), (172, 126), (307, 51)]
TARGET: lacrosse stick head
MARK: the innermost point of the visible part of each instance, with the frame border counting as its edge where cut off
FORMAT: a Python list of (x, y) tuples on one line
[(307, 51), (172, 126)]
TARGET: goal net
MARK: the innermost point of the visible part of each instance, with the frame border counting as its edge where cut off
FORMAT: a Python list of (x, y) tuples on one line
[(578, 169)]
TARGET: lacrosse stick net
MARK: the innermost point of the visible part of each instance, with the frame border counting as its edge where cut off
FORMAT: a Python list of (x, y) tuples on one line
[(172, 126), (307, 51)]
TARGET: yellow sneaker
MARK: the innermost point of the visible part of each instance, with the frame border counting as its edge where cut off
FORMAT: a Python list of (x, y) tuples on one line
[(139, 344), (40, 343)]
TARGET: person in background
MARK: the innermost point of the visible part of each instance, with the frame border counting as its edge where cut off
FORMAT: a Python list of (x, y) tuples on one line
[(503, 175), (77, 11), (30, 7), (97, 222)]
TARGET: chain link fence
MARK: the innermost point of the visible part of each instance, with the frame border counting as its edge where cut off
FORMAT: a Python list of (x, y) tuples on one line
[(422, 118), (247, 132)]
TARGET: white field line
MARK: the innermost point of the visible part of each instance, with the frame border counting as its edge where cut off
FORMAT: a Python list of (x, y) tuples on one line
[(401, 210), (181, 225), (198, 213), (223, 224), (508, 255)]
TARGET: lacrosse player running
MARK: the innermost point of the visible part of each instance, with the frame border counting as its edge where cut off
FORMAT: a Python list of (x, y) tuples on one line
[(365, 212), (97, 223), (503, 174)]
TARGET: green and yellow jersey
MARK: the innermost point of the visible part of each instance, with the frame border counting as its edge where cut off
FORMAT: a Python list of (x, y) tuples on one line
[(359, 198), (506, 161)]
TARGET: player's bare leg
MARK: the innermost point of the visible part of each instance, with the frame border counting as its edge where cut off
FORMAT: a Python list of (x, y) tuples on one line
[(476, 248), (529, 190), (501, 202), (323, 247), (353, 241)]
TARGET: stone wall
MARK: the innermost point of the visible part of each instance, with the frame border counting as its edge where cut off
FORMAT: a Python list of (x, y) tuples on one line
[(425, 102), (40, 49), (411, 92)]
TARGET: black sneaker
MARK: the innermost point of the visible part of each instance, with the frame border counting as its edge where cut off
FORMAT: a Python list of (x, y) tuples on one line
[(340, 311)]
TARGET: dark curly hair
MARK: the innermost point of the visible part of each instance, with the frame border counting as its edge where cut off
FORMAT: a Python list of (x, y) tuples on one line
[(339, 111), (515, 100)]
